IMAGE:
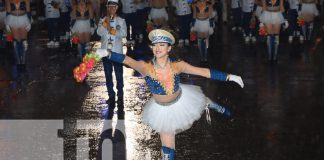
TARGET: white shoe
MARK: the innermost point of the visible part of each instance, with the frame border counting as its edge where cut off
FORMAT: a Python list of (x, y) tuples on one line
[(56, 43), (301, 39), (247, 39), (50, 43), (187, 43), (233, 29), (253, 39), (180, 43), (297, 33), (290, 39)]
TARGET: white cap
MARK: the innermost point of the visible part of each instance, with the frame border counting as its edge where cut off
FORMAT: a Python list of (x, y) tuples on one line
[(160, 35)]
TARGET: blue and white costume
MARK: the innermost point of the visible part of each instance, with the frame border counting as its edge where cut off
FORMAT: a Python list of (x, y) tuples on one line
[(18, 16), (272, 14)]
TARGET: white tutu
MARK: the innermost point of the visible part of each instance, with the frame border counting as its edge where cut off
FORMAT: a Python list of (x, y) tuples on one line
[(179, 116), (272, 17), (81, 26), (309, 8), (203, 26), (2, 16), (159, 13), (18, 21)]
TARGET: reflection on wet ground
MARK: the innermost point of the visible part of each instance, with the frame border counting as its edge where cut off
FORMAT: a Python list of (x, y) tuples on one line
[(277, 116)]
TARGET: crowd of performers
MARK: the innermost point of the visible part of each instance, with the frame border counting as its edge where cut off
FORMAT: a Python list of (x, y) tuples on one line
[(196, 21)]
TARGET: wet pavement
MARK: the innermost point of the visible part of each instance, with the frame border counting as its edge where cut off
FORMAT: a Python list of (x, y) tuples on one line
[(276, 116)]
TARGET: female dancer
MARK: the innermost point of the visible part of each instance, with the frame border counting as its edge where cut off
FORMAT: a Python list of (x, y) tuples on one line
[(19, 23), (82, 24), (272, 18), (174, 106), (308, 11), (202, 13), (158, 13)]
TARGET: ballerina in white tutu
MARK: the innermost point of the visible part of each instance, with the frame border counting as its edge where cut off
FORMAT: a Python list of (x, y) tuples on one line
[(174, 106)]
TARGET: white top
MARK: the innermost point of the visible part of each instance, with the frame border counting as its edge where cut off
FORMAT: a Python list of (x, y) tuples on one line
[(182, 7), (64, 5), (293, 4), (236, 3), (117, 45), (247, 5), (50, 11), (128, 6)]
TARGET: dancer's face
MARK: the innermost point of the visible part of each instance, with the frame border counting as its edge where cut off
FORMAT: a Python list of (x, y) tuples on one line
[(161, 49)]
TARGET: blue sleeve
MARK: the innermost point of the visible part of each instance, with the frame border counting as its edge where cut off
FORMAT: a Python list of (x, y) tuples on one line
[(217, 75)]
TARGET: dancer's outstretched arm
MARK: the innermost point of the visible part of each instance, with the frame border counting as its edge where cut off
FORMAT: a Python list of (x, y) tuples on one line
[(209, 73)]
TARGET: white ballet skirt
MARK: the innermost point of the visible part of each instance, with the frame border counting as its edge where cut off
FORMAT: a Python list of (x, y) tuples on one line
[(81, 26), (18, 21), (309, 8), (159, 13), (202, 26), (268, 17), (178, 116)]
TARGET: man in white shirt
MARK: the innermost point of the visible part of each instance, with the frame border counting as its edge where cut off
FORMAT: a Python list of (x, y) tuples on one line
[(52, 14), (112, 30)]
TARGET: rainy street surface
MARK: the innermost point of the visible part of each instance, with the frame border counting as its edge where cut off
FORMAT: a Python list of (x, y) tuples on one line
[(278, 115)]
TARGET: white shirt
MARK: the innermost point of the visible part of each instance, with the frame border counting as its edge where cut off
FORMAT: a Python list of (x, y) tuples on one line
[(182, 7), (236, 3), (247, 5), (293, 4), (116, 40), (128, 6), (50, 11), (64, 4)]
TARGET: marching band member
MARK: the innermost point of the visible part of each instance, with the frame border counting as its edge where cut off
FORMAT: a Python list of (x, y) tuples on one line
[(82, 24), (202, 25), (18, 21), (112, 29), (307, 9), (174, 107), (272, 18)]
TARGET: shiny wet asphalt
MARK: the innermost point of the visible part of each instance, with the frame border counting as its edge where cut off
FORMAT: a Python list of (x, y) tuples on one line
[(278, 115)]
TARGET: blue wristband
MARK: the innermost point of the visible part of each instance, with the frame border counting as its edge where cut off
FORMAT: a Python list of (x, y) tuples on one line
[(117, 57), (217, 75)]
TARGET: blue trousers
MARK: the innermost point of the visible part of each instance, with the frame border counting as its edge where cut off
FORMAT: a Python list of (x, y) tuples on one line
[(53, 29), (185, 21), (246, 18), (118, 68), (131, 19), (237, 16), (292, 19)]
